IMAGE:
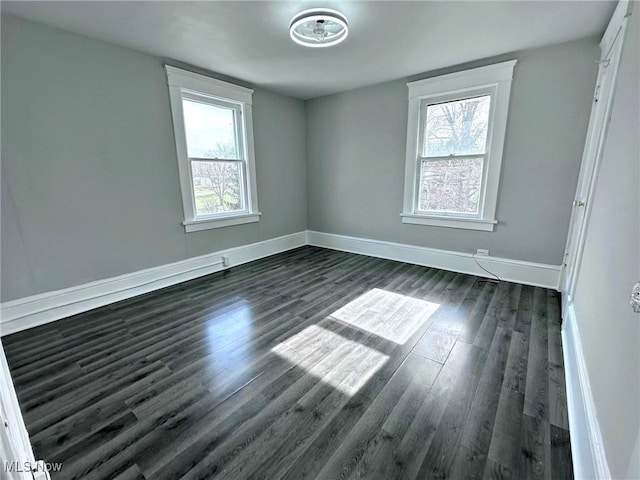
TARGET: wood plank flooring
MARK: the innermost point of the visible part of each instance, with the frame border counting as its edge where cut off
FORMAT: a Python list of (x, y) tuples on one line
[(308, 364)]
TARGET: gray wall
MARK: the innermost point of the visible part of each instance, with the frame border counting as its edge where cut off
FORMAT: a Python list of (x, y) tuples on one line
[(89, 173), (356, 156), (609, 330)]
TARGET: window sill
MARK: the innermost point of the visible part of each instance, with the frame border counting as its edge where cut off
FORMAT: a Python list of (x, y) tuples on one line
[(450, 222), (220, 222)]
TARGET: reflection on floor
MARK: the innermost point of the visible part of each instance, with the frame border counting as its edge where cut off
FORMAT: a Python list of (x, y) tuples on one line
[(308, 364)]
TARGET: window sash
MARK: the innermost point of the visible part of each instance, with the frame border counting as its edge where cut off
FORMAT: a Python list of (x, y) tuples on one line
[(450, 98), (239, 132), (440, 213), (244, 199), (240, 148), (422, 124)]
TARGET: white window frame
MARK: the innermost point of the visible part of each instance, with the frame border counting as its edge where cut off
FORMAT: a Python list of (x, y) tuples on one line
[(494, 80), (186, 84)]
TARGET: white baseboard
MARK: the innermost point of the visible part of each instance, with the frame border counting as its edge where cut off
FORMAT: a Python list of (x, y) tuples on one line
[(587, 448), (528, 273), (35, 310)]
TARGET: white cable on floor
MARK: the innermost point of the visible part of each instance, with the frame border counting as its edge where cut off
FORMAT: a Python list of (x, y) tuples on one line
[(497, 278)]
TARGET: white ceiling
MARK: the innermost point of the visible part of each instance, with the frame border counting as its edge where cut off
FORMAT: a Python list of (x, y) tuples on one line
[(387, 40)]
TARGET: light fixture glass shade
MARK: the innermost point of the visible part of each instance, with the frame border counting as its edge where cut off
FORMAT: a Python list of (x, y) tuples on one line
[(319, 27)]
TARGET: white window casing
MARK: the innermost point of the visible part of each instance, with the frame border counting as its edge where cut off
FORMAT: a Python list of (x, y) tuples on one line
[(494, 80), (187, 85)]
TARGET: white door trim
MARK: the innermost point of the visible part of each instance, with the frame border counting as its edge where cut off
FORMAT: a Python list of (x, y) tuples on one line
[(18, 462), (611, 50)]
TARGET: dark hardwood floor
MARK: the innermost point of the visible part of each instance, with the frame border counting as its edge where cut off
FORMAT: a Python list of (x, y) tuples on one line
[(308, 364)]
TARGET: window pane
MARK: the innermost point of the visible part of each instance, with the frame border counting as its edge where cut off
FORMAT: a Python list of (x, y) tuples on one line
[(451, 186), (458, 127), (210, 130), (217, 187)]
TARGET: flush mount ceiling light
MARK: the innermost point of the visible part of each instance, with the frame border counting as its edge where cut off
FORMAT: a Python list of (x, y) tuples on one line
[(319, 27)]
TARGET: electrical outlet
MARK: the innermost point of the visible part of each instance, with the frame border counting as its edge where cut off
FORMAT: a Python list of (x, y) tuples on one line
[(225, 261), (483, 251)]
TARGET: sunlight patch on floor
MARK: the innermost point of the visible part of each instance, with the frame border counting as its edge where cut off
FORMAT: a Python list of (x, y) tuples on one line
[(342, 363), (386, 314)]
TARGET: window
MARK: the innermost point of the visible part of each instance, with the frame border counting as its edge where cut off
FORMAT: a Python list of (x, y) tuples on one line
[(455, 138), (214, 144)]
